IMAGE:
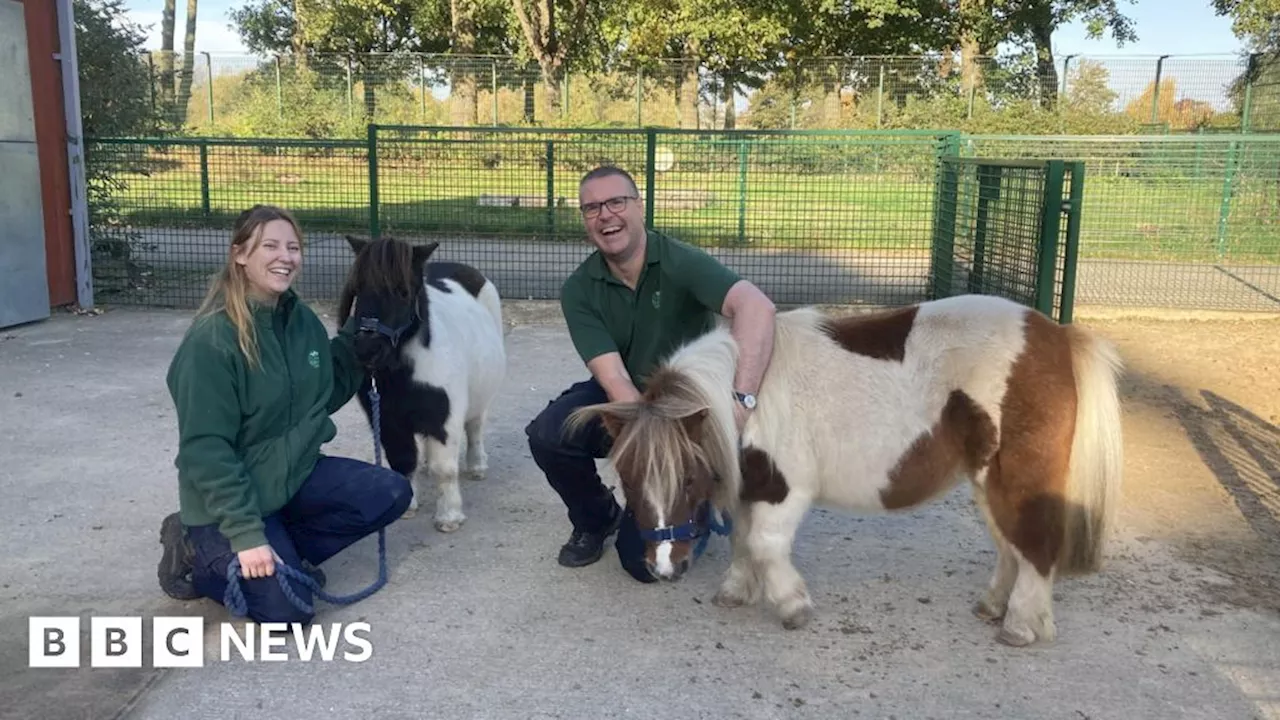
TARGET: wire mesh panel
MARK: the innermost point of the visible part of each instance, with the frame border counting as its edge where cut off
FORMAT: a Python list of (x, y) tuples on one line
[(1000, 230), (1172, 221), (161, 211), (505, 201), (810, 217)]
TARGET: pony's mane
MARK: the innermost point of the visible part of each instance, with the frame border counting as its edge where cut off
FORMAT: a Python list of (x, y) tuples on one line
[(383, 266), (697, 378)]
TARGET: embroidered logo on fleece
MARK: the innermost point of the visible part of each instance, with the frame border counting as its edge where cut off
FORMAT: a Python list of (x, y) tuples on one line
[(313, 357), (657, 299)]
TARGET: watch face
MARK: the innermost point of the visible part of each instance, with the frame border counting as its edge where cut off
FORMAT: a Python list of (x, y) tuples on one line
[(749, 401)]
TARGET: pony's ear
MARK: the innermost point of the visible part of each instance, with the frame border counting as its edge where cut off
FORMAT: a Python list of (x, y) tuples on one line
[(613, 422), (357, 244), (693, 424), (614, 416), (421, 253)]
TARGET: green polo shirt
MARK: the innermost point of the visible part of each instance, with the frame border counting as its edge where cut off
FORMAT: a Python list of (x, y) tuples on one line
[(678, 296)]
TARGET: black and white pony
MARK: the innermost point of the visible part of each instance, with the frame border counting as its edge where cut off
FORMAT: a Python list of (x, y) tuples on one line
[(432, 338)]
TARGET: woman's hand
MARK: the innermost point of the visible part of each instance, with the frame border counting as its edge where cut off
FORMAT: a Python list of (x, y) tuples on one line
[(257, 562)]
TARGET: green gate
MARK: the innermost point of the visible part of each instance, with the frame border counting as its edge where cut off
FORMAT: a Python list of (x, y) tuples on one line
[(1010, 228)]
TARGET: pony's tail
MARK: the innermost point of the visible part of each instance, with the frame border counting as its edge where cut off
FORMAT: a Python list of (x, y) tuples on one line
[(1097, 453)]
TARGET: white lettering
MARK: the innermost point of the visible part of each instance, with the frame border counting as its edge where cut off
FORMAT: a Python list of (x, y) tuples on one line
[(229, 635), (349, 633), (270, 640), (316, 636)]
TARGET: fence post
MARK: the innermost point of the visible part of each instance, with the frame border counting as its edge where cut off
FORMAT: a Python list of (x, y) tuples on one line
[(1047, 247), (279, 92), (551, 189), (742, 191), (1246, 108), (208, 66), (650, 149), (1228, 190), (1074, 206), (204, 178), (880, 98), (422, 83), (989, 177), (946, 198), (375, 228), (1155, 91)]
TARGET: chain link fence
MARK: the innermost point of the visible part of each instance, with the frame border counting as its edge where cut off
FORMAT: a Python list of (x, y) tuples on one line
[(844, 217), (327, 95)]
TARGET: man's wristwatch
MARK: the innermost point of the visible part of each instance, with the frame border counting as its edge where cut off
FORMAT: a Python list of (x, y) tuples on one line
[(747, 399)]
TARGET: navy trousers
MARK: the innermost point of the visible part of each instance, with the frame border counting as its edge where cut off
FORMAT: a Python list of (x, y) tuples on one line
[(568, 461), (342, 501)]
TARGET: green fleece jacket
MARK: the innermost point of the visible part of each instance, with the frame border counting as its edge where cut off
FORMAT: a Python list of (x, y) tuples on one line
[(248, 438)]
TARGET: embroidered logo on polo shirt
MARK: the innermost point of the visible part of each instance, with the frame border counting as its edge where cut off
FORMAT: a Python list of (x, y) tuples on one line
[(313, 357), (657, 299)]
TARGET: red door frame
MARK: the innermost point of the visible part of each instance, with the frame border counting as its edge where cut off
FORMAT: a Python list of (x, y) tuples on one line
[(51, 148)]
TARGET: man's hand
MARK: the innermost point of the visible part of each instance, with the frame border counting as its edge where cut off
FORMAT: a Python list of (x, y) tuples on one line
[(257, 562)]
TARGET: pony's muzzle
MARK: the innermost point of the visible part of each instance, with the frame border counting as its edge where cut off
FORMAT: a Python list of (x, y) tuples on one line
[(670, 571)]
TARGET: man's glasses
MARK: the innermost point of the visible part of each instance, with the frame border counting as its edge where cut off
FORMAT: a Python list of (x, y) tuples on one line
[(615, 205)]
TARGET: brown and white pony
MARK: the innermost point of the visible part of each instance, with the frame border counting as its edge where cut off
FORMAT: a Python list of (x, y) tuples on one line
[(882, 412)]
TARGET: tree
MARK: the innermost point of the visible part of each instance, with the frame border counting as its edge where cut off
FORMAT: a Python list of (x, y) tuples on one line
[(1033, 23), (1257, 22), (115, 86), (1088, 90), (552, 29), (363, 37)]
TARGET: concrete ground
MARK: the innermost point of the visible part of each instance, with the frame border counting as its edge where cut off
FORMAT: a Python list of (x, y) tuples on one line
[(484, 623)]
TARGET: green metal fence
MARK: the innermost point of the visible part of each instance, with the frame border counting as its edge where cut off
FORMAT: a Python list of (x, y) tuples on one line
[(814, 216), (1185, 222), (1009, 228)]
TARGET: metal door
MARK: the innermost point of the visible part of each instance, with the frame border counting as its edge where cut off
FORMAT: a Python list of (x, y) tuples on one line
[(24, 284)]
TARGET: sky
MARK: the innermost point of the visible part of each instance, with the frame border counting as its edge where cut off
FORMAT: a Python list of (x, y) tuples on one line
[(1164, 27)]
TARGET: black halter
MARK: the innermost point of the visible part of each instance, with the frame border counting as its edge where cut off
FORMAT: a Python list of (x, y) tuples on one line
[(394, 334)]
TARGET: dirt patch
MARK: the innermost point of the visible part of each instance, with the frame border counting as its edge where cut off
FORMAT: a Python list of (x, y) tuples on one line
[(1202, 405)]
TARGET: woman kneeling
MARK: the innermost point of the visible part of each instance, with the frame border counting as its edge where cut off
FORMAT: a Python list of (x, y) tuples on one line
[(254, 383)]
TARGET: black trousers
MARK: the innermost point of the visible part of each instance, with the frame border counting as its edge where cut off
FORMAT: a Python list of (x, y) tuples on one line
[(342, 501), (569, 463)]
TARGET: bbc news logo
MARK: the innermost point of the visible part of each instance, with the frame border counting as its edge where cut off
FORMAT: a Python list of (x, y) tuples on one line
[(117, 642)]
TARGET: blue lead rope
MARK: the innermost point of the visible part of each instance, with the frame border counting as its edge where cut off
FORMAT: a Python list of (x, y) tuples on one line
[(233, 598)]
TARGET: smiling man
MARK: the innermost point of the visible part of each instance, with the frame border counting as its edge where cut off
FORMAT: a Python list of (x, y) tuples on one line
[(635, 299)]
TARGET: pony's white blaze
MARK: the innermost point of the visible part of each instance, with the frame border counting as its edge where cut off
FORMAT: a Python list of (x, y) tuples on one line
[(899, 407), (662, 554)]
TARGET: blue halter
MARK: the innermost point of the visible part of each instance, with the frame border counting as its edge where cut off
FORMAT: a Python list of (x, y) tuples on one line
[(699, 528)]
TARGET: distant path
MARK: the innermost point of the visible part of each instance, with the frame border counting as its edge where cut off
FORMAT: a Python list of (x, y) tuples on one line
[(535, 269)]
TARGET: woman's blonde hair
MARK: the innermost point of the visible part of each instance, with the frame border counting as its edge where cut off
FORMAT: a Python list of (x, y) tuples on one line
[(229, 288)]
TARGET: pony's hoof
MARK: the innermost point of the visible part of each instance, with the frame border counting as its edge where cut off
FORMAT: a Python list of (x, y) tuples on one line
[(408, 513), (477, 473), (448, 526), (987, 612), (1020, 637), (727, 599), (798, 619)]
